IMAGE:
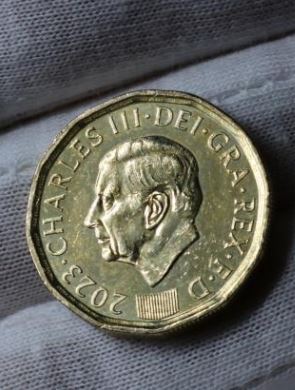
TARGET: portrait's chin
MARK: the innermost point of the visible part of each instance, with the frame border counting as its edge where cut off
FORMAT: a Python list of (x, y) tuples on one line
[(107, 254)]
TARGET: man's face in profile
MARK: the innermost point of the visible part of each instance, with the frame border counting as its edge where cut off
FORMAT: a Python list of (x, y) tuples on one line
[(146, 199), (116, 215)]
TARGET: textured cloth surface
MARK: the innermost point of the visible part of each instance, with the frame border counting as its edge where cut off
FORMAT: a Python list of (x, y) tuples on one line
[(57, 51), (249, 345)]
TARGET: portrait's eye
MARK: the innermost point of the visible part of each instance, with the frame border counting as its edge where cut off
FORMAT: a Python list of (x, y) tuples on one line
[(107, 201)]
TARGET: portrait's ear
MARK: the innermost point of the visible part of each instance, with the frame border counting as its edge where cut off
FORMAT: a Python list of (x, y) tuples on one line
[(155, 209)]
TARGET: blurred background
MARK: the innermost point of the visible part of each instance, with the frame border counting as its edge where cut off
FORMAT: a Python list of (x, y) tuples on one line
[(60, 57)]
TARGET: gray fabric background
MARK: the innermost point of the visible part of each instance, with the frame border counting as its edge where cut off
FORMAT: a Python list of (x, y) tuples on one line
[(58, 51), (250, 344)]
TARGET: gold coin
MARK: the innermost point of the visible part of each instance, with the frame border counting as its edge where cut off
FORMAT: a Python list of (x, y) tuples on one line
[(147, 212)]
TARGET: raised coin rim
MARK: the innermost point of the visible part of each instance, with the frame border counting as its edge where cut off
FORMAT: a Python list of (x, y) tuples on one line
[(223, 295)]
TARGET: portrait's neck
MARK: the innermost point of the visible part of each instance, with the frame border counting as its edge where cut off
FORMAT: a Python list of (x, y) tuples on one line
[(158, 254)]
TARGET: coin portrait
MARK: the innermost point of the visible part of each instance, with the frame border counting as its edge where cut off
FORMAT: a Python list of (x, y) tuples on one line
[(147, 196), (148, 212)]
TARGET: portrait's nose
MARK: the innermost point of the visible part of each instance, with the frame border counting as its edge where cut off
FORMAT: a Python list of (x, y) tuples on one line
[(92, 218)]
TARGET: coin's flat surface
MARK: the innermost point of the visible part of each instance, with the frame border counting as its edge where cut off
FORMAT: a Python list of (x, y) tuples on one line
[(148, 212)]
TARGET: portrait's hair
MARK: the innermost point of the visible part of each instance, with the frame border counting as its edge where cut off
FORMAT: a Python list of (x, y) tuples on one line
[(156, 163)]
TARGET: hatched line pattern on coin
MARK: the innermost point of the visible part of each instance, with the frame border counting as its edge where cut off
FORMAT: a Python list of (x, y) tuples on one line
[(158, 305)]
